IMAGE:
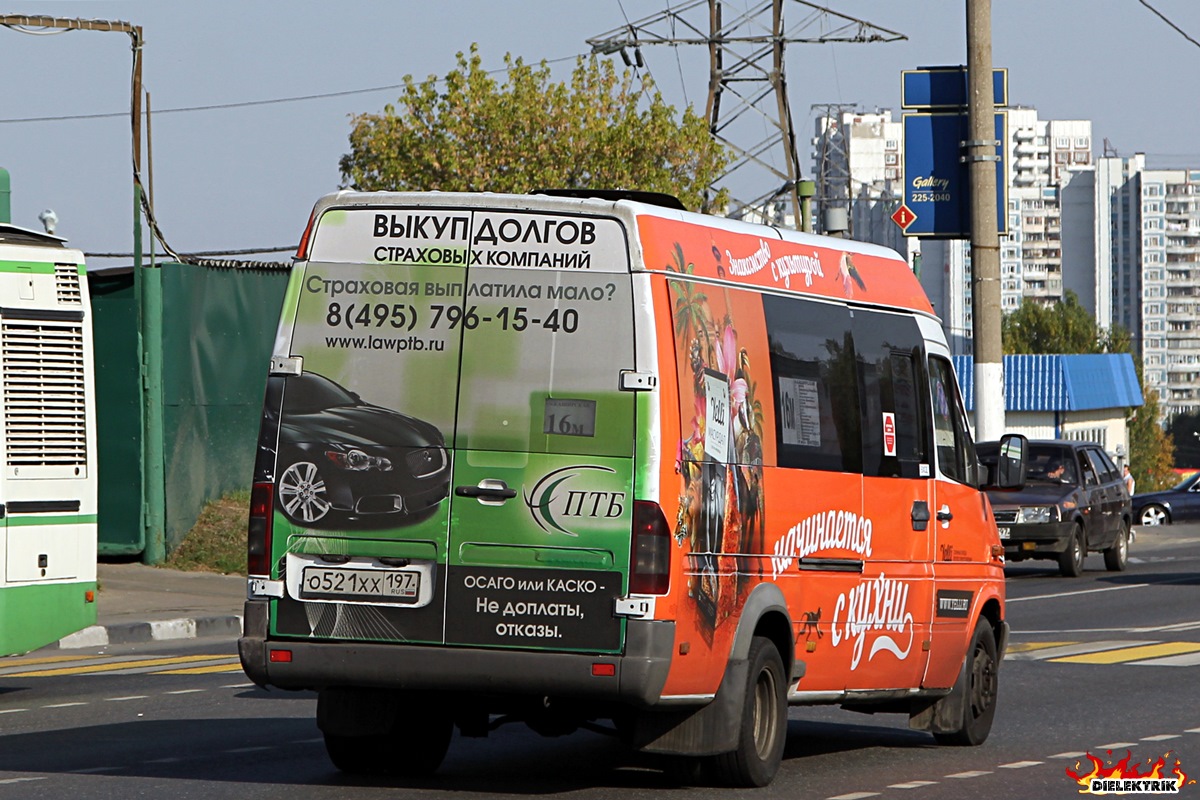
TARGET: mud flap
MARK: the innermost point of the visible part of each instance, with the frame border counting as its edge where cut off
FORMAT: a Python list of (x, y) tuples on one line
[(704, 731), (945, 714)]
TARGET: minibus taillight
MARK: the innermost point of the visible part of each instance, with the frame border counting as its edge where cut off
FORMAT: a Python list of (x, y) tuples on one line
[(258, 538), (302, 250), (650, 551)]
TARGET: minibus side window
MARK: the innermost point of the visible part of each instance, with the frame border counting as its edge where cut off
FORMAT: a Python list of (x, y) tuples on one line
[(888, 347), (955, 452), (815, 385)]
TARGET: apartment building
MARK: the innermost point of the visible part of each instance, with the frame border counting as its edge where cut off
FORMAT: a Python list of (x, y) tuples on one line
[(1151, 250), (1048, 177)]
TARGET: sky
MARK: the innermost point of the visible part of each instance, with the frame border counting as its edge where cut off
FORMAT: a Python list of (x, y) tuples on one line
[(252, 100)]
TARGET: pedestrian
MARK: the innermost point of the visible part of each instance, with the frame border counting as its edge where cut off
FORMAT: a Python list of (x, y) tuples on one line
[(1129, 482)]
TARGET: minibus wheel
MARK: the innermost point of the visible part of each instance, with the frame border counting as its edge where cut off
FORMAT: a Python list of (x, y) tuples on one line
[(415, 751), (763, 730), (981, 681)]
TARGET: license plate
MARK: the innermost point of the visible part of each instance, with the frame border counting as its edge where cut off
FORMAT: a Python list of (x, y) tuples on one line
[(1004, 532), (347, 583)]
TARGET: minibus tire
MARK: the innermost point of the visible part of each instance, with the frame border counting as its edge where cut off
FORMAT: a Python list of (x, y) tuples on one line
[(980, 675), (412, 753), (763, 732)]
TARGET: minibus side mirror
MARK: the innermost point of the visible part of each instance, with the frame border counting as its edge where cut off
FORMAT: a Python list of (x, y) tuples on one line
[(1009, 472)]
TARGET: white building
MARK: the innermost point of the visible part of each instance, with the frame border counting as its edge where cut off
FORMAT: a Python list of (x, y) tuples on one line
[(1152, 252), (1041, 256)]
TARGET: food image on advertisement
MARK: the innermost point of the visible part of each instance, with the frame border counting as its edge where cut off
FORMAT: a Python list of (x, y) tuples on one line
[(721, 508), (344, 462)]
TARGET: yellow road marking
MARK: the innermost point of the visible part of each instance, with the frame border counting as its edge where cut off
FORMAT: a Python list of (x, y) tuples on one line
[(1029, 647), (1131, 653), (234, 667), (113, 665), (29, 662)]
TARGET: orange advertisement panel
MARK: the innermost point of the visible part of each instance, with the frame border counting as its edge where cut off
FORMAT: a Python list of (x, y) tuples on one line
[(740, 519), (802, 263), (726, 436)]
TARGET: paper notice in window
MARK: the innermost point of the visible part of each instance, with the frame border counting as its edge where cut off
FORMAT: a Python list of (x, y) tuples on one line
[(800, 412)]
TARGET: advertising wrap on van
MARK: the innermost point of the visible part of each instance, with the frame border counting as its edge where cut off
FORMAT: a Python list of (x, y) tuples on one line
[(454, 417)]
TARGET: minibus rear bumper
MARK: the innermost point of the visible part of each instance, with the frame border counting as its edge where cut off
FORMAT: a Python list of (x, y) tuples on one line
[(637, 678)]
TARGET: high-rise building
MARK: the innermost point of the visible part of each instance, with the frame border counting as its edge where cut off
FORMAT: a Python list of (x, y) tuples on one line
[(1048, 183), (1151, 250)]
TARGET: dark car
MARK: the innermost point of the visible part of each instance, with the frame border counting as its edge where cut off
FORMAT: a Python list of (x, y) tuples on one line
[(1074, 501), (344, 462), (1179, 504)]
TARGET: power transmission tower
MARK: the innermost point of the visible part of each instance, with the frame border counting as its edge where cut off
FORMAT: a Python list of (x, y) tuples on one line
[(746, 73), (833, 164)]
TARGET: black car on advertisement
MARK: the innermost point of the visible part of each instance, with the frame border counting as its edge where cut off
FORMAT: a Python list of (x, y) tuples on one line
[(347, 463), (1074, 501)]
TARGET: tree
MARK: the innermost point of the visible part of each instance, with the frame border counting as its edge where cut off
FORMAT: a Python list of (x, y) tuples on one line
[(1151, 449), (1070, 328), (600, 130), (1067, 327)]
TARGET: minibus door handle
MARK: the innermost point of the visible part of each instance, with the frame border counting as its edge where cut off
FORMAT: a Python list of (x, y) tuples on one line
[(944, 514), (489, 491)]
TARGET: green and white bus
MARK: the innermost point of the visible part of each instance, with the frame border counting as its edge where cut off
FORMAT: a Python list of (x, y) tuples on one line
[(47, 442)]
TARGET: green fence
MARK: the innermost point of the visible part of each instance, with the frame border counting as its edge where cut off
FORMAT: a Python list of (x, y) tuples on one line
[(218, 331)]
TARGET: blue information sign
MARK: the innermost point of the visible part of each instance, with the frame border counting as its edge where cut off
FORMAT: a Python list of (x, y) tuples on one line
[(930, 88), (937, 181)]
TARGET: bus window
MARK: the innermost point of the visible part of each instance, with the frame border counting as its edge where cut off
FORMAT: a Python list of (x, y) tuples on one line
[(816, 389), (956, 454)]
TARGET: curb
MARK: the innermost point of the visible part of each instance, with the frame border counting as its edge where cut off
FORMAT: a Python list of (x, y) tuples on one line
[(157, 631)]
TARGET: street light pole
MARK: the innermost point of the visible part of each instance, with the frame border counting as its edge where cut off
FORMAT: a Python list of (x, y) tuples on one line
[(147, 288)]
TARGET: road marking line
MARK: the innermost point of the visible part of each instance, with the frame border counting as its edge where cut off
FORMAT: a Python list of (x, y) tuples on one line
[(1192, 730), (1075, 649), (64, 705), (1162, 737), (1180, 626), (184, 691), (1073, 594), (1183, 660), (1116, 745), (972, 774), (1027, 647), (92, 770), (1067, 755), (1021, 764), (29, 662), (12, 710), (114, 665), (854, 796), (1131, 653), (912, 785), (233, 667), (130, 697), (237, 686), (22, 780)]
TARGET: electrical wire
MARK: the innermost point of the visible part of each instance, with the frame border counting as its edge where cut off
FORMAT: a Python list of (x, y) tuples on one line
[(246, 103), (1163, 17)]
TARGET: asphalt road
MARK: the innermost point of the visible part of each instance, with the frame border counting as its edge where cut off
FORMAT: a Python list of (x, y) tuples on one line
[(1105, 662)]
